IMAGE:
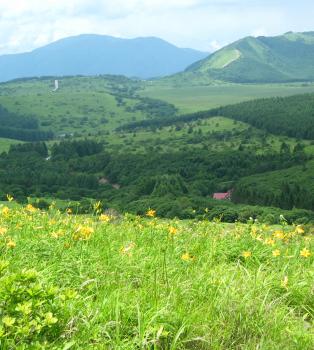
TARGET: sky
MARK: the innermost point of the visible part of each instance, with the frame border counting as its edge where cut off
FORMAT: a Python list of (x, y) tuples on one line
[(205, 25)]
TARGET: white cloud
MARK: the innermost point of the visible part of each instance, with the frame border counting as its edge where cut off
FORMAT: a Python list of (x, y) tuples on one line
[(215, 45), (259, 32), (202, 24)]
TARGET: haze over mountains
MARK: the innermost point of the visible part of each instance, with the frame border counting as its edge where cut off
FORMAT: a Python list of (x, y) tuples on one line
[(97, 54), (289, 57)]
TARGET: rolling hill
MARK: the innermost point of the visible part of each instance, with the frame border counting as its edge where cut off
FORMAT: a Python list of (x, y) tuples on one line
[(97, 54), (111, 142), (289, 57)]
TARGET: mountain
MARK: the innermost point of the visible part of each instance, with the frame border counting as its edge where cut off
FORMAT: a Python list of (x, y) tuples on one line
[(97, 54), (289, 57)]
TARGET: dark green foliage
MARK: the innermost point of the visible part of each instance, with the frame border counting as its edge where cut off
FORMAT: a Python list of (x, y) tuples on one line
[(163, 122), (38, 147), (25, 134), (12, 120), (18, 127), (70, 149), (185, 207), (175, 182), (154, 108), (169, 184), (292, 116), (287, 189)]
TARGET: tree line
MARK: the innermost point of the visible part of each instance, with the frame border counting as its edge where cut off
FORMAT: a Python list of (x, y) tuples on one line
[(74, 170), (290, 116), (21, 127)]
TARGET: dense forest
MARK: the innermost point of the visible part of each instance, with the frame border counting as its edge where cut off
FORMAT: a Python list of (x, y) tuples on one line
[(20, 127), (291, 116), (174, 182), (289, 188)]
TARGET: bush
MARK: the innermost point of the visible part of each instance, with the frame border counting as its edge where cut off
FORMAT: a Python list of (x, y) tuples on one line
[(31, 312)]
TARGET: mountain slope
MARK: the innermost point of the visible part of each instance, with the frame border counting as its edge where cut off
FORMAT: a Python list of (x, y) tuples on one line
[(289, 57), (96, 54)]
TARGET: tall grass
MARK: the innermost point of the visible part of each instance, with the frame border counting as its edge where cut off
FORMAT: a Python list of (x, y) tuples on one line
[(145, 283)]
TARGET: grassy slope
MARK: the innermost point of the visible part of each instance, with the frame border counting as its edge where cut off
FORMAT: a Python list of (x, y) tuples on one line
[(78, 106), (6, 143), (134, 283), (94, 98), (169, 139), (261, 59)]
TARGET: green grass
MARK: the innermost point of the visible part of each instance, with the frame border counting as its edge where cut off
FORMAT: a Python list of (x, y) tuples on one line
[(82, 103), (169, 138), (6, 143), (261, 59), (222, 59), (193, 98), (81, 106), (135, 283)]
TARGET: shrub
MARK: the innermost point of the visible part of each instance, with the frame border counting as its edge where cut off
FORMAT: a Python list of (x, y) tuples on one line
[(31, 311)]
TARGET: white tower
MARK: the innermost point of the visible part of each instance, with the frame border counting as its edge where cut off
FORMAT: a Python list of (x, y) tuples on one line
[(56, 86)]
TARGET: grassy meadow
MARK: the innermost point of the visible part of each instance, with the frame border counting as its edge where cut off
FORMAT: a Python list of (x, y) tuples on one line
[(81, 106), (6, 143), (91, 105), (96, 106), (192, 98), (170, 138), (129, 282)]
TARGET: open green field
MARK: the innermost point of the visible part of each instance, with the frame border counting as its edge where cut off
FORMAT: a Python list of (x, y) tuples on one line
[(81, 105), (6, 143), (196, 98), (98, 282), (91, 105)]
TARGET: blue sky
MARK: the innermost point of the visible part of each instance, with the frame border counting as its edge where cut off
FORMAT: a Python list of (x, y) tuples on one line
[(200, 24)]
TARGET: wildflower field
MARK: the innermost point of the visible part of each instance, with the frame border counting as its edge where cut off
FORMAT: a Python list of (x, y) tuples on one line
[(102, 282)]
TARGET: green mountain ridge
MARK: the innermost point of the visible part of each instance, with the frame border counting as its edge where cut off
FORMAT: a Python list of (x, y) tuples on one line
[(285, 58)]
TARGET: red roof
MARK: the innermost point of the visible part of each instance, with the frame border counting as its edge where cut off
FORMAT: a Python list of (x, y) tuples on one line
[(222, 196)]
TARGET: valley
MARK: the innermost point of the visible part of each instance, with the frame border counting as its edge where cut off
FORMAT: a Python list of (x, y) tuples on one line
[(146, 123)]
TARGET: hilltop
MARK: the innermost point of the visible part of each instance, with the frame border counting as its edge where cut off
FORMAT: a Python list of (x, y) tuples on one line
[(289, 57), (97, 54)]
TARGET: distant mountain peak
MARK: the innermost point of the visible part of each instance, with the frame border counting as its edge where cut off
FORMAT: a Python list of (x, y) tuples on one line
[(93, 54)]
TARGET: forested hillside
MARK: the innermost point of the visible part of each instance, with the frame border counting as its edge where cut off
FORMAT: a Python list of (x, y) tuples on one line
[(84, 170), (289, 188), (292, 116)]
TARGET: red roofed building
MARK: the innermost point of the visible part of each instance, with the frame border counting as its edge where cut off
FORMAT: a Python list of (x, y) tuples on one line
[(226, 196)]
